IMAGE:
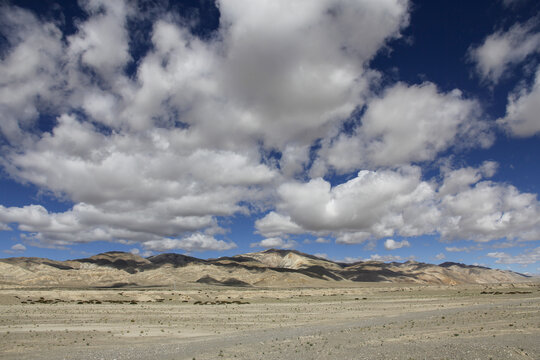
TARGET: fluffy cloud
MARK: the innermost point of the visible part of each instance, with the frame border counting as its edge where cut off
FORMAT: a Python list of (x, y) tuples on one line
[(250, 84), (373, 203), (408, 124), (193, 242), (487, 211), (17, 248), (30, 72), (273, 56), (274, 224), (101, 42), (481, 210), (391, 244), (89, 223), (504, 49), (158, 156), (136, 185), (154, 156), (528, 257), (352, 237), (94, 168), (440, 256), (275, 242), (384, 258), (459, 180), (383, 203), (523, 109), (499, 52)]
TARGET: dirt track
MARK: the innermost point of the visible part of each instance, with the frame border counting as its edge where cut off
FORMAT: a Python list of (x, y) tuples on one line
[(371, 321)]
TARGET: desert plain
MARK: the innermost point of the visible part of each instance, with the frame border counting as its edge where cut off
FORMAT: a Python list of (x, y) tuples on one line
[(201, 321)]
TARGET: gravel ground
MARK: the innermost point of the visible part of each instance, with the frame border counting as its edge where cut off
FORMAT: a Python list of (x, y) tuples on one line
[(366, 322)]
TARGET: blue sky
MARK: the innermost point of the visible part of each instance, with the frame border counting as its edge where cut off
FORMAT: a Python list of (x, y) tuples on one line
[(386, 130)]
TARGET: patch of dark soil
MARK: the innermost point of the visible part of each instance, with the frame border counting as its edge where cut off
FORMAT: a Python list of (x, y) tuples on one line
[(58, 266), (229, 282)]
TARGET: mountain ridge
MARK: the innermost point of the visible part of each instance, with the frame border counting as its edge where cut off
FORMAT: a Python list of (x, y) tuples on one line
[(271, 267)]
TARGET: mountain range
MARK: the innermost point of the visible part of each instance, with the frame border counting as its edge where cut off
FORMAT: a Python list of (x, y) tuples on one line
[(269, 268)]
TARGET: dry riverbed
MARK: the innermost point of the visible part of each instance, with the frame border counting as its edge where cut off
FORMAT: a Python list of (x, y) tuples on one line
[(368, 321)]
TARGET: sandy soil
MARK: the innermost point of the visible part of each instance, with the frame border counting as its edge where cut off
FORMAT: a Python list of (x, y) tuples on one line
[(369, 321)]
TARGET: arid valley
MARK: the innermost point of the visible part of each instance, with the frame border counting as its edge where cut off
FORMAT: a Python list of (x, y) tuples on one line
[(319, 318), (269, 179), (369, 321)]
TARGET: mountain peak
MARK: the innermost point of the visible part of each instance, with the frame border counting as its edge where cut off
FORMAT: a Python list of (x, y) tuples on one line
[(289, 259)]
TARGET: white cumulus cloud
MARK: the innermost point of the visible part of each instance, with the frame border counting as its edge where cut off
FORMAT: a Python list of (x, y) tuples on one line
[(17, 248), (153, 156), (391, 244), (194, 242), (504, 49), (161, 157), (440, 256), (528, 257), (274, 224), (384, 258), (385, 203), (375, 203), (408, 124), (522, 111), (275, 242)]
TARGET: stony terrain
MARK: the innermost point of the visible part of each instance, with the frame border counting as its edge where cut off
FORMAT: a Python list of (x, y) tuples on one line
[(281, 268), (274, 304), (365, 321)]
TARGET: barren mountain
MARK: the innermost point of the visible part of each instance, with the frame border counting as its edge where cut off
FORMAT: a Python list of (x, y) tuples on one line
[(281, 268)]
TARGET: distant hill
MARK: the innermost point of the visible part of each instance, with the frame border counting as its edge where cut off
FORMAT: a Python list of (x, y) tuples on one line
[(278, 268)]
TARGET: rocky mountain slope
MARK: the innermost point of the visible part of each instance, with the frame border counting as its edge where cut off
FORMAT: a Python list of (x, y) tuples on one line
[(282, 268)]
